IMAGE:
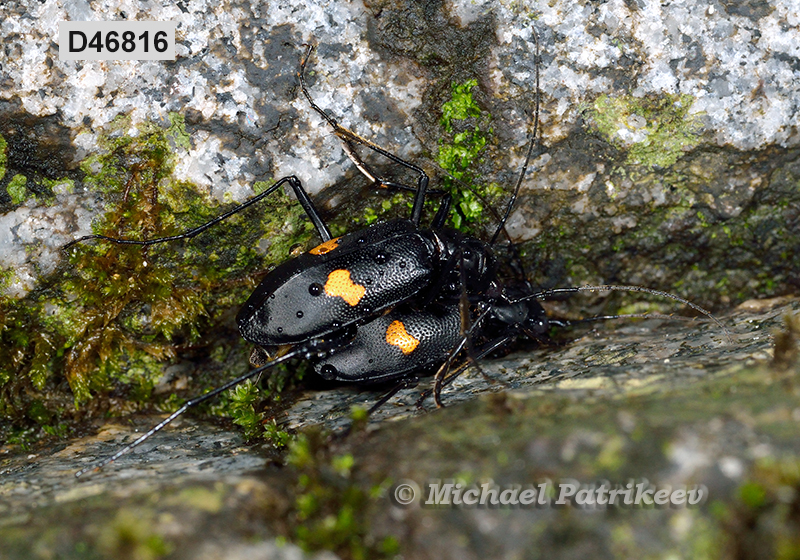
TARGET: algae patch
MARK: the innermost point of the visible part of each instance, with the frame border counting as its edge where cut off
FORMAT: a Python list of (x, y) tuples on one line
[(655, 131)]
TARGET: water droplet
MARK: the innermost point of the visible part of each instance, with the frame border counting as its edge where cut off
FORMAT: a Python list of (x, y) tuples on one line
[(299, 314)]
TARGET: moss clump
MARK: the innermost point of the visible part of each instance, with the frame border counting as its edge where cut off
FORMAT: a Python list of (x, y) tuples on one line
[(331, 511), (655, 131), (466, 133), (243, 405), (111, 317), (17, 190)]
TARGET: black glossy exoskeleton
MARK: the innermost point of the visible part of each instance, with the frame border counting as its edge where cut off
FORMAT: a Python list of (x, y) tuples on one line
[(342, 281), (385, 303), (353, 280)]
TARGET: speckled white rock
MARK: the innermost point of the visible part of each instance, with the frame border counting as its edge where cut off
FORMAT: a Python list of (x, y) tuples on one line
[(740, 63)]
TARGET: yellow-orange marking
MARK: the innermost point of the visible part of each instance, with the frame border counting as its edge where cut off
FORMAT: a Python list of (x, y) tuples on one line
[(339, 284), (396, 335), (326, 247)]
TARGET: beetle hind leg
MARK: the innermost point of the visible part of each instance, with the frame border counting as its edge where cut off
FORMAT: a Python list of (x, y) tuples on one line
[(350, 139)]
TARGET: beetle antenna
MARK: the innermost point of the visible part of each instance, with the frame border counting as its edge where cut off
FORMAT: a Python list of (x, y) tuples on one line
[(533, 142), (615, 288), (189, 404)]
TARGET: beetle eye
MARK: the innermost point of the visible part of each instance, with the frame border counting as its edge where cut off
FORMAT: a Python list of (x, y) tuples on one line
[(315, 289)]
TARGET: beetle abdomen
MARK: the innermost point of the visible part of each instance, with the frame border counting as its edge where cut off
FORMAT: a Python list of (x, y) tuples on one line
[(341, 281), (403, 341)]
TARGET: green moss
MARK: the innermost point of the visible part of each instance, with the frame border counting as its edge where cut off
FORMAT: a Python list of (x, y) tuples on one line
[(372, 214), (66, 185), (114, 315), (243, 400), (275, 435), (331, 511), (17, 190), (466, 133), (461, 105), (655, 131)]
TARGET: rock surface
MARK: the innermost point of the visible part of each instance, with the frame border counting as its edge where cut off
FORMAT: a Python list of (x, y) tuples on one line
[(669, 160), (671, 404)]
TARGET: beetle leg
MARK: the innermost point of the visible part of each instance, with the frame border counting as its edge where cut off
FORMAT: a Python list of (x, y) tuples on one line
[(404, 383), (442, 213), (293, 181), (312, 348), (484, 351), (350, 138), (190, 403)]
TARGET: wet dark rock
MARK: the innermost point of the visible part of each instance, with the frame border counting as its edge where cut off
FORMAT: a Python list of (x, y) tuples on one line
[(670, 161)]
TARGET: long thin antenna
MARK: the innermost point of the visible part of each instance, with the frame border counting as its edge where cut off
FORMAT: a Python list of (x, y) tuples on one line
[(616, 288), (531, 144), (193, 402)]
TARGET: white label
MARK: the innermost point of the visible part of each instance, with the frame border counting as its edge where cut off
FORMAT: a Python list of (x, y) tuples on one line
[(116, 40)]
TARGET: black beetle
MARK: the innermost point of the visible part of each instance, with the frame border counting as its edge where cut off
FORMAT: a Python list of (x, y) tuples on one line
[(384, 303)]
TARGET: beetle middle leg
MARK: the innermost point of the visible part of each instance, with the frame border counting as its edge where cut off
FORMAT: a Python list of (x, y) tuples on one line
[(294, 183)]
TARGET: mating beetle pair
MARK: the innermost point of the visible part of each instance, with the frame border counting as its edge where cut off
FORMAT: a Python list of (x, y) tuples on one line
[(405, 294), (385, 303)]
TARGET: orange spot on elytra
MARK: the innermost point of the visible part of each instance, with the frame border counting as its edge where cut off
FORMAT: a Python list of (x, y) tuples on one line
[(339, 284), (396, 335), (326, 247)]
